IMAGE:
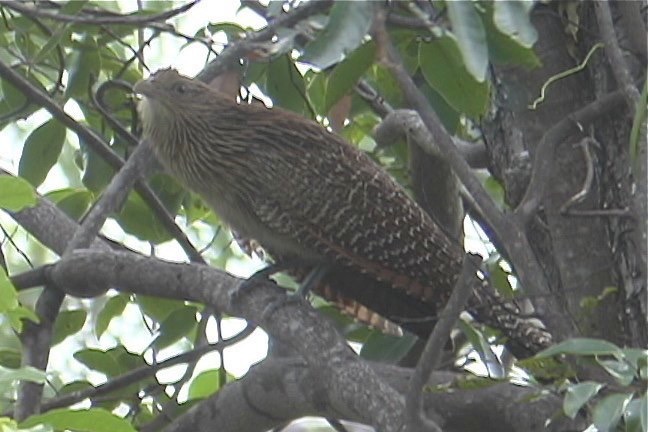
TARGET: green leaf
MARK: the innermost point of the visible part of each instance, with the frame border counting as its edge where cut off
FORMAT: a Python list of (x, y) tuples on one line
[(10, 358), (447, 114), (578, 395), (136, 217), (68, 323), (113, 307), (62, 31), (97, 172), (347, 73), (27, 373), (10, 308), (8, 295), (348, 23), (12, 98), (495, 190), (480, 344), (386, 348), (90, 420), (468, 28), (632, 416), (503, 48), (285, 85), (42, 149), (176, 326), (444, 71), (85, 67), (583, 346), (513, 18), (205, 384), (156, 307), (621, 370), (73, 201), (500, 279), (609, 410), (98, 360), (112, 362)]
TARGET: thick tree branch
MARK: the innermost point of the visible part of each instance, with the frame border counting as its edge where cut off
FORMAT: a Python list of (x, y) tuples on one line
[(507, 232), (544, 153), (292, 323), (279, 389), (615, 56)]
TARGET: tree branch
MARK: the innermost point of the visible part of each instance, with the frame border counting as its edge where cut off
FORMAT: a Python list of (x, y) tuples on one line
[(98, 145), (544, 153), (434, 347), (131, 19), (615, 56), (314, 338), (507, 232)]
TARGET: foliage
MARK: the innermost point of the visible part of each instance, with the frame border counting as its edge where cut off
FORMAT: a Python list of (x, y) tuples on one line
[(87, 67)]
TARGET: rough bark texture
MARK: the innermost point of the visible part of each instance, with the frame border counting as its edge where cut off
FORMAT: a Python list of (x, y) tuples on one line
[(583, 255)]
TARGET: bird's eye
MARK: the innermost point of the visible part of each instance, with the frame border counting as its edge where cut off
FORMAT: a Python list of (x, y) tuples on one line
[(180, 88)]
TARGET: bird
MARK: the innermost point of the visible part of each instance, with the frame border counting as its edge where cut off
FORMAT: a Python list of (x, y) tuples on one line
[(308, 197)]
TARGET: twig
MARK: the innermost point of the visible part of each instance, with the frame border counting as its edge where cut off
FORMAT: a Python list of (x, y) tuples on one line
[(434, 346), (130, 19), (231, 55), (140, 373), (507, 232), (544, 153), (97, 144), (314, 338), (615, 56)]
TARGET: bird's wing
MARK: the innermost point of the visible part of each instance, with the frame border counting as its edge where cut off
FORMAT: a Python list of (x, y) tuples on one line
[(349, 210)]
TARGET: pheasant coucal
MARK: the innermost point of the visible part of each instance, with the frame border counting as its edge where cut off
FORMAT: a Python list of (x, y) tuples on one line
[(307, 196)]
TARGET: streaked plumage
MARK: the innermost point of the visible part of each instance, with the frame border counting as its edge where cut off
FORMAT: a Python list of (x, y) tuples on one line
[(304, 194)]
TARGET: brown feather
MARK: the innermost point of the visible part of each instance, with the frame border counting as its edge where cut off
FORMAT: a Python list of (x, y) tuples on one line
[(305, 194)]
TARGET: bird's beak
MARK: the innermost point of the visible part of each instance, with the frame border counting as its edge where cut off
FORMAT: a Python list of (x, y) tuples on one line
[(142, 87)]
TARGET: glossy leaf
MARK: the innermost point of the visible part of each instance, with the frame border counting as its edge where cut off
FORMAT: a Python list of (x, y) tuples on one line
[(385, 348), (10, 358), (348, 23), (513, 18), (347, 73), (88, 420), (468, 29), (8, 295), (504, 48), (578, 395), (73, 202), (28, 373), (112, 362), (41, 151), (285, 85), (158, 308), (444, 70), (68, 323), (16, 193), (84, 68), (609, 410), (113, 307), (180, 323), (206, 384), (583, 346)]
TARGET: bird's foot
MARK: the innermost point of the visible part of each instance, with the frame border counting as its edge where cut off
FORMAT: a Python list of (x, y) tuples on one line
[(311, 280)]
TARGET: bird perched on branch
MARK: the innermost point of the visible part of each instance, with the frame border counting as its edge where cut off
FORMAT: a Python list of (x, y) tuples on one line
[(308, 197)]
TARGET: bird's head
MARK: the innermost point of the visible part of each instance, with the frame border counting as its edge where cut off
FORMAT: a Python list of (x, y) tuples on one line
[(167, 96)]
